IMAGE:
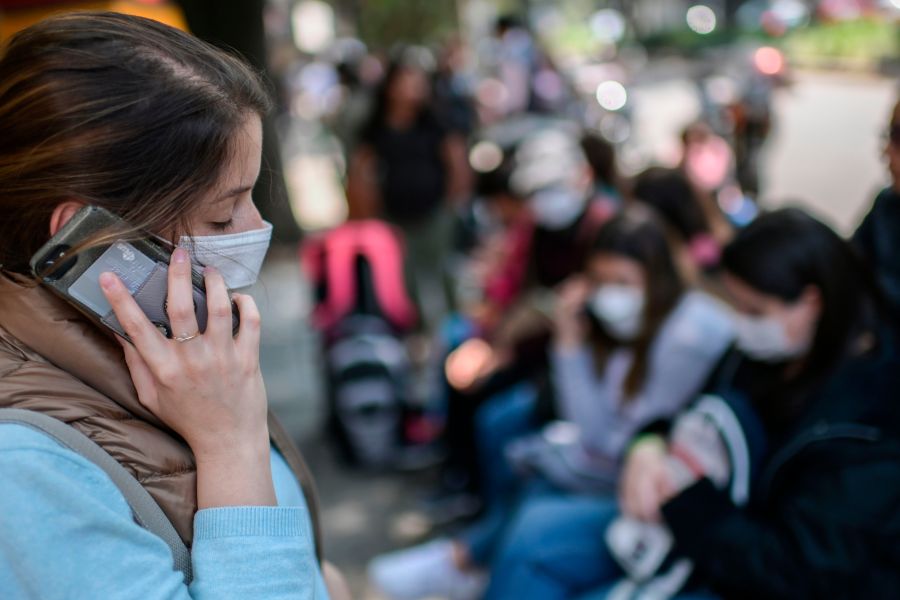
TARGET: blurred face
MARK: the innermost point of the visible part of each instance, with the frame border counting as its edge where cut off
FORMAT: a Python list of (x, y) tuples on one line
[(561, 204), (618, 300), (614, 269), (410, 86), (229, 207), (770, 329), (892, 147)]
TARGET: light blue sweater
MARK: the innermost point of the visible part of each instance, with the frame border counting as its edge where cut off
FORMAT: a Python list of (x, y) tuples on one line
[(66, 532)]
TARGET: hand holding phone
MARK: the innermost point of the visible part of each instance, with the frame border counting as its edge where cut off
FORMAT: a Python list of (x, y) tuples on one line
[(207, 387), (141, 264)]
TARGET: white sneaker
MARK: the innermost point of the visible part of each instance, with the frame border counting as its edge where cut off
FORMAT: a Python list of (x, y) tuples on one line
[(425, 571)]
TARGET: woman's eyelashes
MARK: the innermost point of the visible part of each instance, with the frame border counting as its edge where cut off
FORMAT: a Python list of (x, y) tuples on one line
[(221, 225)]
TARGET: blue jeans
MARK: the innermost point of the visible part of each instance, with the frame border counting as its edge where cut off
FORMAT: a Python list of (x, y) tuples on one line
[(502, 419), (555, 549)]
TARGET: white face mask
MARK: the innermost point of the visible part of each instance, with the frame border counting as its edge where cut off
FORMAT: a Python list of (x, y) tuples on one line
[(620, 308), (765, 339), (237, 256), (556, 208)]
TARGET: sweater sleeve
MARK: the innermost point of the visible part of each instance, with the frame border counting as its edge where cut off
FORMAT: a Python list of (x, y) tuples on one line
[(678, 375), (682, 357), (686, 352), (67, 527), (580, 392)]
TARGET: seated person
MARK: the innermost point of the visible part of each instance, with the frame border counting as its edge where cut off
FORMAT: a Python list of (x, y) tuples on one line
[(719, 438), (550, 215), (671, 194), (632, 345), (816, 360), (541, 196)]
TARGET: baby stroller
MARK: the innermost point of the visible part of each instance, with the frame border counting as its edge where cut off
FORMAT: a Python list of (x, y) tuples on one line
[(362, 309)]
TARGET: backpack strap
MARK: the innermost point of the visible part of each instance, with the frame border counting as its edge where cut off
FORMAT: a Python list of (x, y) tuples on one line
[(146, 511), (327, 260)]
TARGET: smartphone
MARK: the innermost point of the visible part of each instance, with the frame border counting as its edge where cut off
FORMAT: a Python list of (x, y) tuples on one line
[(142, 265)]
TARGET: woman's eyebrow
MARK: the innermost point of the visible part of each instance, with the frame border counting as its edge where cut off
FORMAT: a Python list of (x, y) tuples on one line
[(236, 192)]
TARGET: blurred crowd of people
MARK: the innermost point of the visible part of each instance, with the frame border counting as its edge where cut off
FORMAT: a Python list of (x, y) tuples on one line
[(639, 394)]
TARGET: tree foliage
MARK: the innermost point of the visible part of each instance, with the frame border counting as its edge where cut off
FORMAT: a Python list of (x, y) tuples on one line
[(383, 23)]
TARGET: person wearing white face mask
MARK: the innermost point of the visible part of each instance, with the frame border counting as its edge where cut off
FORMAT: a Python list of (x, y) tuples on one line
[(620, 308), (767, 338), (541, 196), (146, 468), (553, 178), (816, 363), (631, 345), (237, 256)]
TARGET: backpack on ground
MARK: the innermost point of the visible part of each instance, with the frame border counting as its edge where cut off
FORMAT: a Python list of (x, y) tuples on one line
[(363, 308)]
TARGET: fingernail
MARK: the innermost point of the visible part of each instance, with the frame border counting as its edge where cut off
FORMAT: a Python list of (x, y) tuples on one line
[(107, 281), (180, 255), (209, 270)]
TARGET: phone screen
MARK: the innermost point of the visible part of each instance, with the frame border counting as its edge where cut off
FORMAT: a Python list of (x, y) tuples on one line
[(123, 259)]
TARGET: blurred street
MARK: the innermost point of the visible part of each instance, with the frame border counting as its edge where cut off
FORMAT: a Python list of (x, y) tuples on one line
[(820, 158), (834, 170)]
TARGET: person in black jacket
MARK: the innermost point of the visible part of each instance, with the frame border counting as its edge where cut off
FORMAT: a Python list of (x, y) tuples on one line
[(878, 236), (816, 358)]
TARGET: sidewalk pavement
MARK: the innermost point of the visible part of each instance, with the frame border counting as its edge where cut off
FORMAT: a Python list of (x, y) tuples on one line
[(362, 513)]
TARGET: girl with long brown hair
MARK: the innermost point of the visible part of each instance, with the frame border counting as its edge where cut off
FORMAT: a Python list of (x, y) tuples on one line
[(165, 132)]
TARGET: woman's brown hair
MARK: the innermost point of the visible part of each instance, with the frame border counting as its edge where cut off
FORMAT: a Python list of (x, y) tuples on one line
[(638, 234), (116, 111)]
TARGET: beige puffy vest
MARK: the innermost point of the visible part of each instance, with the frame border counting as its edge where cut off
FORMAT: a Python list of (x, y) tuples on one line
[(55, 361)]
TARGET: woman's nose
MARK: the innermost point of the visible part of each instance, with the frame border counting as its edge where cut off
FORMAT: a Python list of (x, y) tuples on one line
[(252, 219)]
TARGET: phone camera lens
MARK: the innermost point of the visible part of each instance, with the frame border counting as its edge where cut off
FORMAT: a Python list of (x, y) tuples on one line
[(56, 264)]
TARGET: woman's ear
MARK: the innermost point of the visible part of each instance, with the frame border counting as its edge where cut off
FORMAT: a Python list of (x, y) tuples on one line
[(62, 213)]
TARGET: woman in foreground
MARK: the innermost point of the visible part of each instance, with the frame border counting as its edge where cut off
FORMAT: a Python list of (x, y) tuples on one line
[(165, 132)]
